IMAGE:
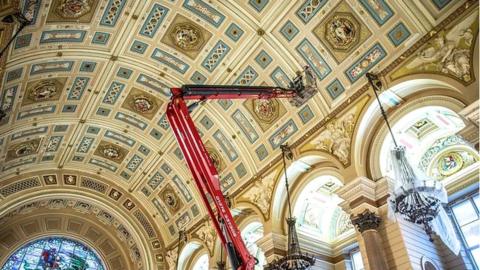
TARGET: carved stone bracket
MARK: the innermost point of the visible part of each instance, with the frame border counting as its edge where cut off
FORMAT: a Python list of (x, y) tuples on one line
[(261, 193), (208, 235), (366, 221)]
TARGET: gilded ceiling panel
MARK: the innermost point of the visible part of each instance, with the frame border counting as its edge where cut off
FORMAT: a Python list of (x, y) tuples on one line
[(265, 111), (111, 151), (170, 199), (142, 103), (44, 90), (186, 36), (342, 31), (23, 149), (80, 11)]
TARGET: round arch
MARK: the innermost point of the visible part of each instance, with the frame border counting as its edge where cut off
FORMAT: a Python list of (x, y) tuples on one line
[(296, 172), (53, 252), (317, 191), (46, 218), (107, 211), (200, 261), (410, 95), (190, 252)]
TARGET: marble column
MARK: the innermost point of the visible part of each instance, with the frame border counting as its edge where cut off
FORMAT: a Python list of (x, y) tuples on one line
[(367, 224)]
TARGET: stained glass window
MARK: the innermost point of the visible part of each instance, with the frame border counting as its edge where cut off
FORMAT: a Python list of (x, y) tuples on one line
[(54, 254)]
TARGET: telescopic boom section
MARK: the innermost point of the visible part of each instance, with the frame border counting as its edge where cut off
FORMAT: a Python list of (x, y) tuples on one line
[(208, 183), (204, 92), (203, 171)]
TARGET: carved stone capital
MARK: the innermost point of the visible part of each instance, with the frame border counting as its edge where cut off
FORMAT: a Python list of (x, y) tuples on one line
[(366, 221), (273, 245), (358, 195)]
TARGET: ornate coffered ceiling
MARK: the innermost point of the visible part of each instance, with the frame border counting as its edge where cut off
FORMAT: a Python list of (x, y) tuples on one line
[(86, 85)]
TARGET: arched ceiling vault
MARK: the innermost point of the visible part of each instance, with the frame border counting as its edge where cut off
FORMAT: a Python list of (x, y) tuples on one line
[(85, 87)]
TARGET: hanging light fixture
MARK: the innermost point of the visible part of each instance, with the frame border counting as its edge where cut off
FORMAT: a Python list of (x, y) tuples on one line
[(10, 15), (221, 265), (182, 238), (14, 17), (417, 198), (295, 259)]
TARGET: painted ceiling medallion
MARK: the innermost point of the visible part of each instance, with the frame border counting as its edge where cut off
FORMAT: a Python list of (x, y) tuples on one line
[(450, 163), (79, 11), (23, 149), (44, 90), (341, 32), (216, 158), (26, 149), (142, 104), (266, 109), (111, 151), (73, 8), (171, 199), (186, 36)]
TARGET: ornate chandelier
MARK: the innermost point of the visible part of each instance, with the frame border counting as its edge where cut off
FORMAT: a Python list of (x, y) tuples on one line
[(9, 15), (417, 198), (295, 259)]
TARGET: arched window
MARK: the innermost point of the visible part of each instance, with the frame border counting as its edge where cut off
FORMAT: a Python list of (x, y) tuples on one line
[(201, 263), (250, 234), (54, 253), (428, 134), (317, 210)]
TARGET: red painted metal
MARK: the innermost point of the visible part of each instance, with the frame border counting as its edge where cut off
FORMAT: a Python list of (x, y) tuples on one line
[(203, 171)]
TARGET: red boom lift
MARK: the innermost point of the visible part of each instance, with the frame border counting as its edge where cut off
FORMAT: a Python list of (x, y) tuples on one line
[(202, 169)]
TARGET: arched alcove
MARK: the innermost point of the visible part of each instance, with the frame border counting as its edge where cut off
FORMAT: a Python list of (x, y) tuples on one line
[(188, 253), (401, 97), (297, 171), (417, 131), (55, 252), (76, 214), (316, 207)]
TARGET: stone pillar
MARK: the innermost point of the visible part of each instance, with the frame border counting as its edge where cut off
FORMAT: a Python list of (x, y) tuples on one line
[(401, 244), (273, 245), (360, 195), (367, 224)]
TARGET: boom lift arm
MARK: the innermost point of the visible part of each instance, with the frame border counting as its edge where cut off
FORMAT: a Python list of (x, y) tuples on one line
[(203, 171)]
